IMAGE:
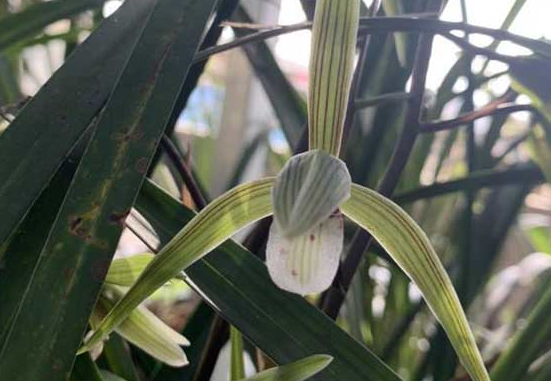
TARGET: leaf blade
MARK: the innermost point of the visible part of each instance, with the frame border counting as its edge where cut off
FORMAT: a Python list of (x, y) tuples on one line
[(408, 245), (297, 371)]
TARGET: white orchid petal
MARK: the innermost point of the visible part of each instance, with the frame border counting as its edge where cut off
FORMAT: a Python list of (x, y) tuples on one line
[(306, 264)]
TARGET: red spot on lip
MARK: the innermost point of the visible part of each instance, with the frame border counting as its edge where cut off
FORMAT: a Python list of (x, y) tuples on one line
[(312, 237), (294, 273)]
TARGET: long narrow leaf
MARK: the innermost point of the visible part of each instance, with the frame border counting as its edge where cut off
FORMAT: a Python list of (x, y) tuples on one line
[(216, 223), (237, 285), (237, 363), (34, 146), (297, 371), (84, 237), (33, 19), (408, 245)]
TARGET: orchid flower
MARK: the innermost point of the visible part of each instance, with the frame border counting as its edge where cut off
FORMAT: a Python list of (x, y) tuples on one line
[(309, 199)]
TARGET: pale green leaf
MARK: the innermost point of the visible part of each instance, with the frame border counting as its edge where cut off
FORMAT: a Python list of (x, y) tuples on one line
[(308, 189), (125, 271), (108, 376), (408, 245), (331, 67), (394, 8), (532, 76), (237, 364), (306, 264), (145, 330), (541, 151), (297, 371), (216, 223)]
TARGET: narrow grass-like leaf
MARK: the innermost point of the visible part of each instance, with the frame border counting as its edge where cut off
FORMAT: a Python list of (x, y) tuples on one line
[(297, 371), (526, 344), (108, 376), (221, 219), (306, 264), (85, 369), (70, 99), (308, 189), (146, 331), (31, 21), (532, 76), (237, 285), (541, 151), (125, 271), (408, 245), (394, 8), (237, 363), (331, 67), (84, 237)]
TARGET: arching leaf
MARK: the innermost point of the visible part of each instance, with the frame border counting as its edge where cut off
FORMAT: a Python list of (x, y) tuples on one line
[(408, 245)]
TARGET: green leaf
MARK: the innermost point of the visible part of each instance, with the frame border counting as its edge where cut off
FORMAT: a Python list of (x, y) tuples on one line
[(297, 371), (408, 245), (31, 155), (85, 369), (81, 243), (284, 326), (108, 376), (146, 331), (32, 20), (541, 151), (526, 344), (394, 8), (118, 358), (216, 223), (237, 363), (331, 67), (125, 271), (532, 76), (308, 189)]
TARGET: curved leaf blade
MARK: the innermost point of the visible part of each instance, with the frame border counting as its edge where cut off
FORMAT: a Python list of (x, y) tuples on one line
[(408, 245), (216, 223), (145, 330), (237, 285), (331, 67), (297, 371), (125, 271)]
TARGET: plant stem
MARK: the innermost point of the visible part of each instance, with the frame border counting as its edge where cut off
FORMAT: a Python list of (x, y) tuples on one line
[(184, 171), (381, 100), (522, 174), (492, 109)]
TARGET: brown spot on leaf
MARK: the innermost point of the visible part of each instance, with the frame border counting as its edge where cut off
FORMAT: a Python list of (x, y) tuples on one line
[(142, 165), (118, 218)]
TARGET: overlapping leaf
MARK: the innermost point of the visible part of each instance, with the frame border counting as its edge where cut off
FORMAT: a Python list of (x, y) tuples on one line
[(408, 245), (297, 371), (216, 223)]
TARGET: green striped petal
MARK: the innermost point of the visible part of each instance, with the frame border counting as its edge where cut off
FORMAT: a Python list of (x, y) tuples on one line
[(125, 271), (306, 264), (298, 371), (146, 331), (308, 189), (331, 68), (221, 219), (408, 245)]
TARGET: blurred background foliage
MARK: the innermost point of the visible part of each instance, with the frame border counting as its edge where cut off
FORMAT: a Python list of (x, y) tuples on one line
[(471, 185)]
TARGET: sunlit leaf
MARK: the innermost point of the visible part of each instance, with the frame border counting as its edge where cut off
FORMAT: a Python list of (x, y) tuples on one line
[(308, 189), (216, 223), (125, 271), (297, 371), (237, 363), (408, 245), (145, 330), (393, 8), (308, 263), (330, 74)]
